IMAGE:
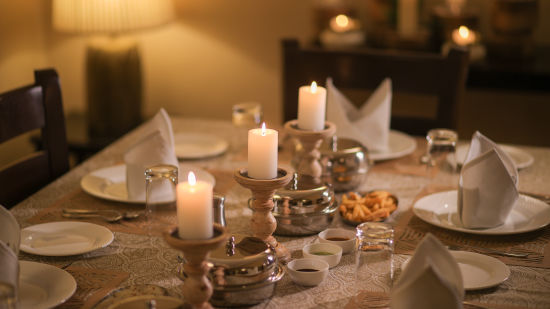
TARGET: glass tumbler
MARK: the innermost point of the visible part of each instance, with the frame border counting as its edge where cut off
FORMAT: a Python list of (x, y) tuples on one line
[(8, 299), (373, 257), (245, 116), (160, 201), (441, 149)]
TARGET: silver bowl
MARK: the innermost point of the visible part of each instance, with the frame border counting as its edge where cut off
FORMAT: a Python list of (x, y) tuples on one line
[(345, 163)]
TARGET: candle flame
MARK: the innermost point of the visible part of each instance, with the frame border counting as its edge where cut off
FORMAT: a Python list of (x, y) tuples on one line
[(191, 178), (342, 20), (463, 31), (263, 128), (313, 87)]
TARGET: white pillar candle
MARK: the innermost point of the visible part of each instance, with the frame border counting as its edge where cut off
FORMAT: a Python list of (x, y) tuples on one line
[(463, 36), (407, 17), (262, 153), (312, 107), (194, 209)]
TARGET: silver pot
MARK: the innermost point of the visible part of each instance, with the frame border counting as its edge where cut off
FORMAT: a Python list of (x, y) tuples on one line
[(345, 163), (243, 273), (303, 207)]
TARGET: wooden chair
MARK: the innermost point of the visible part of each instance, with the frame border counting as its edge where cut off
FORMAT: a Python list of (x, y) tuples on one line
[(413, 73), (22, 110)]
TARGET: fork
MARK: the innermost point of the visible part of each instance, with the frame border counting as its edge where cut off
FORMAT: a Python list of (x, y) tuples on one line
[(493, 251)]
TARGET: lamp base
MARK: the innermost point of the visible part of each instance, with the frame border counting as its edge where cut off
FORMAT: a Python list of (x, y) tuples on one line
[(113, 77)]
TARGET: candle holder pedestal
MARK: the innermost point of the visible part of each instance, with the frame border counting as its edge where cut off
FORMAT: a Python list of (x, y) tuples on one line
[(308, 163), (263, 222), (197, 289)]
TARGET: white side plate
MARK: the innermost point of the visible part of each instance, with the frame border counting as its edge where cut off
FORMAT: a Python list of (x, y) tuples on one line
[(43, 286), (478, 271), (64, 238), (400, 145), (199, 145), (440, 209), (110, 182), (521, 158)]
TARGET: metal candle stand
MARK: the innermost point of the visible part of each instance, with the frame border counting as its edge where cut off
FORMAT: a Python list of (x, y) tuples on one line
[(311, 141), (263, 222), (197, 289)]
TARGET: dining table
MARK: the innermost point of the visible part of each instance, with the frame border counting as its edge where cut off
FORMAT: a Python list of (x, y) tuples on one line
[(137, 257)]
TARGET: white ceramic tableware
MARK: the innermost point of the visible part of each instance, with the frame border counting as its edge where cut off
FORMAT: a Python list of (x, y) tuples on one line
[(340, 237), (521, 158), (64, 238), (199, 145), (43, 286), (318, 270), (400, 144), (440, 209), (329, 253), (478, 271)]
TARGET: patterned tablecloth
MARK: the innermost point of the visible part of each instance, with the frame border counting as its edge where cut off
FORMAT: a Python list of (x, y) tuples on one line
[(149, 260)]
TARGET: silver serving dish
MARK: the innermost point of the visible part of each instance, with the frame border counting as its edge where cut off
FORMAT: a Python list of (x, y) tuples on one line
[(303, 207), (244, 272), (345, 163)]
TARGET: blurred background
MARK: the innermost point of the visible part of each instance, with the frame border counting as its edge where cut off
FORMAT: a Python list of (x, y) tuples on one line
[(218, 53)]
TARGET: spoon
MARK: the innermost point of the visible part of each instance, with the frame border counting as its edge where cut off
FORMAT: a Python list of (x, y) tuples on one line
[(107, 214)]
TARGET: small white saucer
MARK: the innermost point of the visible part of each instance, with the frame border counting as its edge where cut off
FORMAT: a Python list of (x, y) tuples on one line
[(199, 145), (43, 286)]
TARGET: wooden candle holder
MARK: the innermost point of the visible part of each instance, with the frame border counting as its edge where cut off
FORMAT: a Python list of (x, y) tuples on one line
[(197, 289), (308, 163), (263, 222)]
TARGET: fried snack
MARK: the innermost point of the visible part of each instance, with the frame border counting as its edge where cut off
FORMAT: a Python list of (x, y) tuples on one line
[(374, 206)]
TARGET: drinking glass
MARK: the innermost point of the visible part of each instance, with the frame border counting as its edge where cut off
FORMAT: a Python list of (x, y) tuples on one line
[(373, 257), (160, 200), (8, 299), (245, 116), (442, 163)]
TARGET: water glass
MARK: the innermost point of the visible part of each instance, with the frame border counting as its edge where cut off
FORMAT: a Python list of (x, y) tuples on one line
[(442, 148), (373, 257), (8, 299), (245, 116), (160, 200)]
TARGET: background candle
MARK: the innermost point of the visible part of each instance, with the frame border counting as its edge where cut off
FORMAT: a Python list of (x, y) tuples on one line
[(194, 209), (262, 153), (311, 107), (463, 36)]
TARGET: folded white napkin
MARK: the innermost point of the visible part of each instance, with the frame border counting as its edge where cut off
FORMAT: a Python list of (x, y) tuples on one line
[(156, 147), (488, 185), (370, 124), (9, 267), (432, 279)]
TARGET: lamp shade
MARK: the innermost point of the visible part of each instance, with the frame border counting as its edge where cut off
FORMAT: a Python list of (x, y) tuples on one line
[(109, 16)]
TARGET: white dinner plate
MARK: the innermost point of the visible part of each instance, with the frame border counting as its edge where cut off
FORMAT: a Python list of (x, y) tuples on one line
[(440, 209), (400, 144), (43, 286), (478, 271), (199, 145), (521, 158), (110, 182), (64, 238)]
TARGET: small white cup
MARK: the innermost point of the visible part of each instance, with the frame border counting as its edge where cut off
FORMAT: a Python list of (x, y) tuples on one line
[(323, 251), (330, 235), (307, 278)]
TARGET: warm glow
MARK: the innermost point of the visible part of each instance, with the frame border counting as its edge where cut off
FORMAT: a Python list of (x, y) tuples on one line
[(464, 31), (313, 87), (263, 128), (191, 178), (342, 20)]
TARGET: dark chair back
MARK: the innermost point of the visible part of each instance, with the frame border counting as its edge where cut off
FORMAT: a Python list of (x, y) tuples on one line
[(22, 110), (422, 74)]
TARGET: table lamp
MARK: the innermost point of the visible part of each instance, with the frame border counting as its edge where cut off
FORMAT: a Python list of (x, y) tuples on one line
[(113, 71)]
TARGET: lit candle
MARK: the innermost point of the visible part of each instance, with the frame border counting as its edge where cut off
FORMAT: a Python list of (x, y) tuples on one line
[(342, 23), (194, 209), (463, 36), (262, 153), (311, 107)]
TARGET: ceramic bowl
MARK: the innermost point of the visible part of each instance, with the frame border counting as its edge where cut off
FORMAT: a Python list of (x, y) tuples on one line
[(323, 251), (307, 278), (340, 237)]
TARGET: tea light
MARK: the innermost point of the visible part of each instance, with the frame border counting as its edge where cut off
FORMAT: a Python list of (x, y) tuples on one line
[(312, 107), (262, 153), (194, 209), (342, 23), (463, 36)]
